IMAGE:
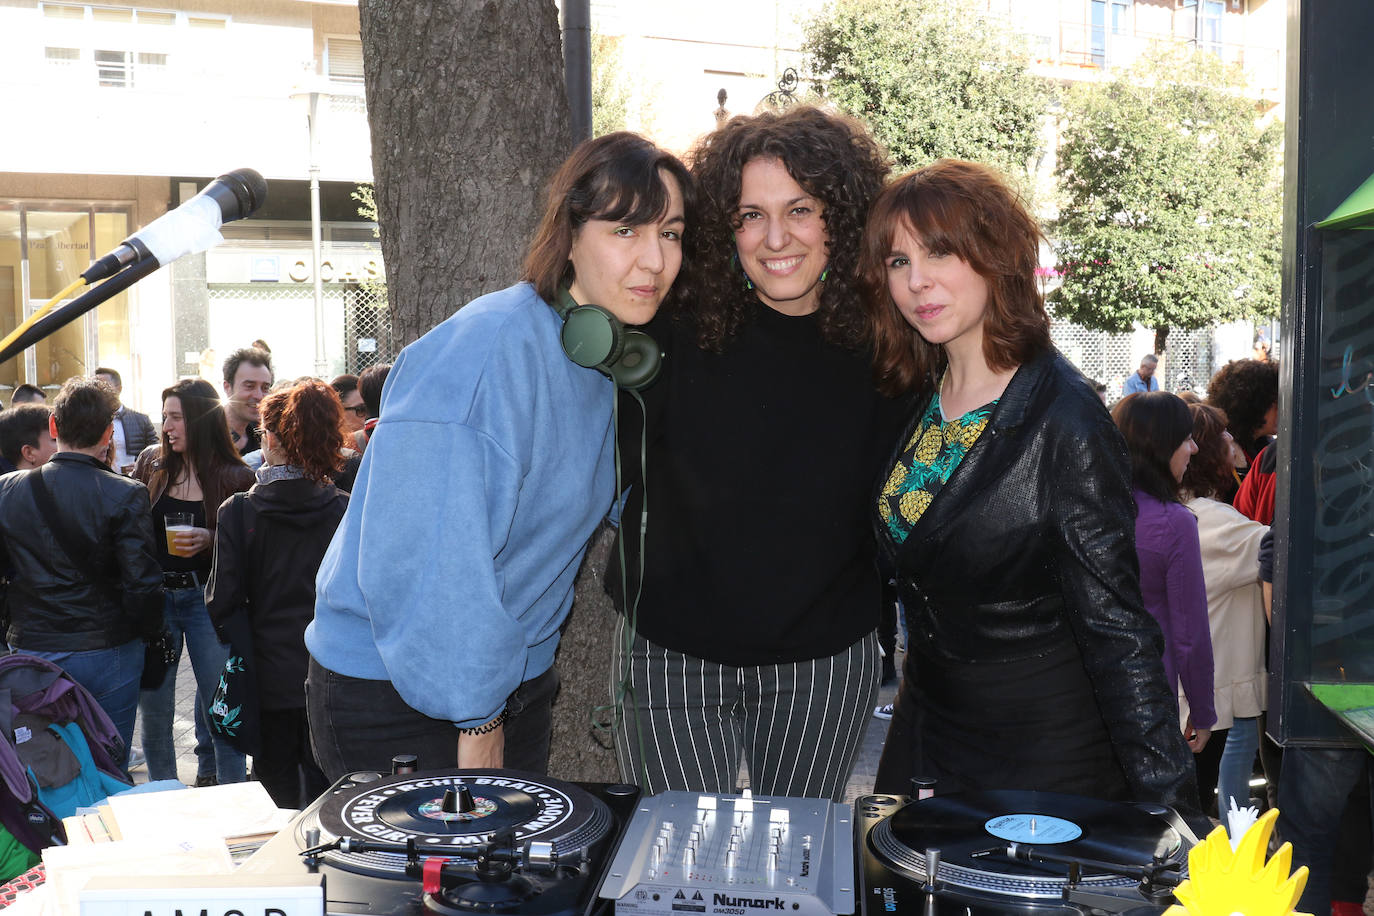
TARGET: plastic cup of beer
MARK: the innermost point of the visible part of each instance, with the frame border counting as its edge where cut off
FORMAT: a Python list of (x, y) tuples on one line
[(178, 523)]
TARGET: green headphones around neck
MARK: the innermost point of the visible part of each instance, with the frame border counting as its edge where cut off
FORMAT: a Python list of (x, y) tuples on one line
[(594, 338)]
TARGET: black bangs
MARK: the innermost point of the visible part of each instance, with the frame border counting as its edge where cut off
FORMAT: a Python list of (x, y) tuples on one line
[(627, 188)]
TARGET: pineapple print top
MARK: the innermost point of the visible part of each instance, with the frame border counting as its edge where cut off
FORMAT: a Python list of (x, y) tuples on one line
[(924, 466)]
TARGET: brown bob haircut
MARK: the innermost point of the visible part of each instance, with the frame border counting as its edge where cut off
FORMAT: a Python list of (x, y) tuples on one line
[(616, 177), (968, 210)]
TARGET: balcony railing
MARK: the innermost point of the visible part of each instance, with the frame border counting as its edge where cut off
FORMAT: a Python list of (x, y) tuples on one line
[(1082, 45)]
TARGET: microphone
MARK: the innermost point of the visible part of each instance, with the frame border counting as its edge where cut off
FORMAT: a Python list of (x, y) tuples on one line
[(194, 226)]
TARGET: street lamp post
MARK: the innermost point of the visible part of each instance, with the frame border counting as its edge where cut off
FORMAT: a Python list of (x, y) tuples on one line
[(321, 362), (312, 92)]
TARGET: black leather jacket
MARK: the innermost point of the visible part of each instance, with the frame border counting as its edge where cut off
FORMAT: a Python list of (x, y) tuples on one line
[(1032, 542), (53, 605)]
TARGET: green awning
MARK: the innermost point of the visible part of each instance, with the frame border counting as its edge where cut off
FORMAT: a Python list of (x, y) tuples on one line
[(1357, 212)]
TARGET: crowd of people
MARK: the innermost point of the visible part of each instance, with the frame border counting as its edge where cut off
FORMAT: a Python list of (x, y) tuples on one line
[(134, 514), (823, 378)]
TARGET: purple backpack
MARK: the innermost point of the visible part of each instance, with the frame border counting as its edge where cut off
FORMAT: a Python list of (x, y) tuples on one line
[(29, 684)]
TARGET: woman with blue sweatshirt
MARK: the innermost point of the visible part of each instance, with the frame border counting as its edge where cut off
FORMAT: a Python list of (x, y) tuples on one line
[(440, 598)]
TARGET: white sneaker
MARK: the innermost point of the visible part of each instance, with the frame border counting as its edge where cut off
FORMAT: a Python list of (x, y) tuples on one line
[(883, 712)]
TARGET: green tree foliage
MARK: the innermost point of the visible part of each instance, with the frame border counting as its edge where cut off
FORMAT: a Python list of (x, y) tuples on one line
[(610, 93), (1171, 200), (931, 78)]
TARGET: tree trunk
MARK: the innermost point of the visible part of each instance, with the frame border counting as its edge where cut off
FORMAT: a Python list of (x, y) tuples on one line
[(1161, 340), (469, 118), (584, 666)]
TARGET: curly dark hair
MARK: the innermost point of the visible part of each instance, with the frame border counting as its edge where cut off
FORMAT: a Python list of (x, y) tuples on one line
[(835, 160), (1245, 389), (1210, 473), (307, 421)]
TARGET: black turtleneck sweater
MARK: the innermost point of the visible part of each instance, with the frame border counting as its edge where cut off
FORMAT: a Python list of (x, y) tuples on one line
[(761, 467)]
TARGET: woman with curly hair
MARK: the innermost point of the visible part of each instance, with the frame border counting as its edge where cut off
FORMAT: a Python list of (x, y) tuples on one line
[(268, 547), (1006, 512), (1235, 611), (753, 597), (1247, 391)]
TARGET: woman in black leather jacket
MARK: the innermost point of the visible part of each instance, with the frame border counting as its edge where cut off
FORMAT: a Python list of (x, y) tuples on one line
[(1006, 510)]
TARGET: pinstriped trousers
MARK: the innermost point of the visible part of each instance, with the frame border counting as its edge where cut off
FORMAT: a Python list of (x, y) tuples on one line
[(686, 723)]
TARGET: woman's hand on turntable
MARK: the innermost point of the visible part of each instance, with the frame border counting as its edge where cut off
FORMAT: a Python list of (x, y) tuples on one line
[(478, 752)]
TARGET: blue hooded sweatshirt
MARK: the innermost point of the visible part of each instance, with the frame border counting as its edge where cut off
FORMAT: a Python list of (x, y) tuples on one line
[(490, 468)]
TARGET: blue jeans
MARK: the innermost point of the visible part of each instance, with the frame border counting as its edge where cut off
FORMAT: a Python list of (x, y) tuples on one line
[(1237, 764), (1314, 786), (186, 617), (111, 676)]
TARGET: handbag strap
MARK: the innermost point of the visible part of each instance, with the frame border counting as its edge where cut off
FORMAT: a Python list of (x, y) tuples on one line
[(241, 500), (48, 506)]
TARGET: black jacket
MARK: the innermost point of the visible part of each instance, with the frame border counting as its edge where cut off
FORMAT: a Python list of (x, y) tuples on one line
[(53, 604), (138, 431), (268, 547), (1031, 543)]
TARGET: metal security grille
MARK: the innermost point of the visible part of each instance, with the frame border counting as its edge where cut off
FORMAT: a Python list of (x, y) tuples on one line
[(368, 338), (1109, 358)]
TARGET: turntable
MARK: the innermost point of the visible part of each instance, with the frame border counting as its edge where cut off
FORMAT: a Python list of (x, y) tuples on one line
[(455, 842), (1029, 853)]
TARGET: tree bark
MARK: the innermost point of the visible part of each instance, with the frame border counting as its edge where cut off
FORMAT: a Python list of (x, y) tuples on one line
[(469, 118), (580, 751), (1161, 340)]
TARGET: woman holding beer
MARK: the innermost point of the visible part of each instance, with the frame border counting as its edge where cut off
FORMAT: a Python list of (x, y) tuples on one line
[(191, 470)]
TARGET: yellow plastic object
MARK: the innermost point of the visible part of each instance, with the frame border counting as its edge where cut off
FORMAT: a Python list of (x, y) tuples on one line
[(47, 307), (1240, 883)]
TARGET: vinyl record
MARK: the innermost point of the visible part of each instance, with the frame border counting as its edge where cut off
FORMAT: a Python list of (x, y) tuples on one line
[(972, 829), (401, 808)]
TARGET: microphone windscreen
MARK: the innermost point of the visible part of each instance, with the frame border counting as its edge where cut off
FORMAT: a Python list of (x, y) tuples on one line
[(239, 193)]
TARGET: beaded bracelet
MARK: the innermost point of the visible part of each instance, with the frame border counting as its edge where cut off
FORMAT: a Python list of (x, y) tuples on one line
[(486, 728)]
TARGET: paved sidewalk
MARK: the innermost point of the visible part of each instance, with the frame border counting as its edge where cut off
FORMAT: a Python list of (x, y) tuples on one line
[(183, 728), (866, 764)]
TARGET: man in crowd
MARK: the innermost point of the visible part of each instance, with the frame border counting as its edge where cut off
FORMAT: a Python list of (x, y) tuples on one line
[(88, 604), (26, 441), (1142, 379), (28, 394), (133, 431), (355, 411), (247, 379)]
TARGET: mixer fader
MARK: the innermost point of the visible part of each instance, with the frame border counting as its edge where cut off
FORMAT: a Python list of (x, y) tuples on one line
[(687, 853)]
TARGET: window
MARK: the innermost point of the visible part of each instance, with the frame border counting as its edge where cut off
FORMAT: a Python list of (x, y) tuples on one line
[(344, 60), (1209, 29), (1107, 18), (205, 22), (63, 11), (1121, 17), (66, 58), (106, 14), (114, 69)]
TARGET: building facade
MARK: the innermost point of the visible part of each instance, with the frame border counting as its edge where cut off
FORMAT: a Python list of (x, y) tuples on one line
[(124, 112)]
